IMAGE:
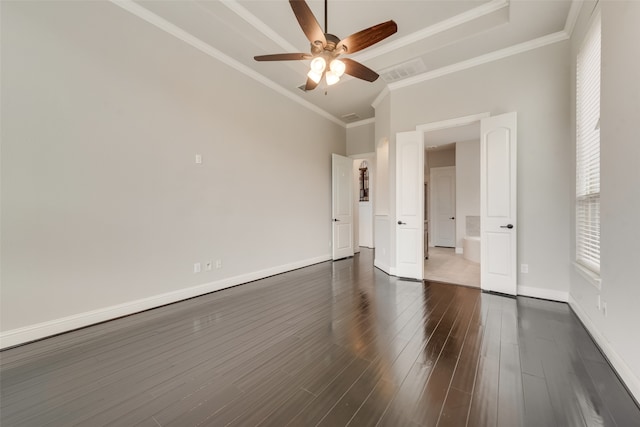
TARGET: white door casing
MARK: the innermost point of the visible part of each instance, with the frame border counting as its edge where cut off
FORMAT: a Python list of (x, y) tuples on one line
[(409, 205), (443, 197), (341, 206), (498, 203)]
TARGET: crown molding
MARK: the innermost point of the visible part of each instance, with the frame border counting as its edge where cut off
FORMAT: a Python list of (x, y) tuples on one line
[(572, 16), (432, 30), (161, 23), (380, 97), (253, 20), (480, 60), (361, 123)]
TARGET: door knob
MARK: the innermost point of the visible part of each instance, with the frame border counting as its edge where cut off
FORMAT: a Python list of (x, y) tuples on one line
[(402, 223), (335, 220), (453, 217), (509, 226)]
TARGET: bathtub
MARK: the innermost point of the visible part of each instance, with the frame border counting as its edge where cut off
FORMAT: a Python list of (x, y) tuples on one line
[(471, 248)]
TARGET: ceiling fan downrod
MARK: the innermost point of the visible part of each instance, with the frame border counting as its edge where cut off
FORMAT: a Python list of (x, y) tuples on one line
[(326, 28)]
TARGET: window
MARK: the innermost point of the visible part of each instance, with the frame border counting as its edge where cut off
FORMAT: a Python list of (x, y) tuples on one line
[(588, 151)]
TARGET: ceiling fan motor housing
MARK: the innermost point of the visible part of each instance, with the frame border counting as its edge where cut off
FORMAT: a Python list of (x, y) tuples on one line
[(330, 47)]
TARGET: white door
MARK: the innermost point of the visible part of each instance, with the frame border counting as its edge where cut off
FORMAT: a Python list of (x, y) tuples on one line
[(409, 205), (498, 203), (443, 203), (342, 206)]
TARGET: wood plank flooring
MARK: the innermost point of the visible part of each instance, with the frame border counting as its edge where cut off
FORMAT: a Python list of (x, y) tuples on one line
[(333, 344)]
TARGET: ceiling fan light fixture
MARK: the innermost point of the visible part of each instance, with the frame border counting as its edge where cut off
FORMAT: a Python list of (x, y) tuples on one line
[(314, 76), (332, 78), (325, 48), (318, 64), (337, 67)]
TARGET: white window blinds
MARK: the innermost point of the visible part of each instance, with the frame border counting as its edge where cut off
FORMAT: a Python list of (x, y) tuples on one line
[(588, 151)]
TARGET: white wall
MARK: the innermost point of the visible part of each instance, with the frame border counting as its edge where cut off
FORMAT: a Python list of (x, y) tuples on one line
[(361, 139), (383, 137), (615, 332), (104, 211), (439, 159), (536, 85), (467, 186)]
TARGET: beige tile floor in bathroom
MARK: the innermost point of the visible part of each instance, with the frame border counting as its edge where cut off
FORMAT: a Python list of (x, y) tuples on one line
[(444, 265)]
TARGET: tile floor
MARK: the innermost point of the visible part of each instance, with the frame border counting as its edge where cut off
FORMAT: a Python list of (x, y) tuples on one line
[(444, 265)]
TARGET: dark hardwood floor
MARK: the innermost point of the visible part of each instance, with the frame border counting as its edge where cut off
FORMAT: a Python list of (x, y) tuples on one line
[(332, 344)]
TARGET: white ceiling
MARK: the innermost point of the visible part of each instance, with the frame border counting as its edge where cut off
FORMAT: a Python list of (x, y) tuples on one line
[(440, 33)]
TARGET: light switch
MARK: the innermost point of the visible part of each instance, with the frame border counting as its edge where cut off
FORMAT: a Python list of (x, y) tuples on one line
[(198, 159)]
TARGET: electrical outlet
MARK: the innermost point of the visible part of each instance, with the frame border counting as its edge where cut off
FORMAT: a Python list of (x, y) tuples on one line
[(198, 159), (524, 268), (196, 267), (218, 263), (208, 266)]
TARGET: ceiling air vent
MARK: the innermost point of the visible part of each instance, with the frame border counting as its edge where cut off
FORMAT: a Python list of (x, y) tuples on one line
[(351, 117), (402, 71)]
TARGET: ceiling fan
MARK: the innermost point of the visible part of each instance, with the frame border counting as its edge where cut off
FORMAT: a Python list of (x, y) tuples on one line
[(326, 48)]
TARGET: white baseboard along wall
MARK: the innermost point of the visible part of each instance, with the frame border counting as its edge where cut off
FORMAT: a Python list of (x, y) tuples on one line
[(38, 331)]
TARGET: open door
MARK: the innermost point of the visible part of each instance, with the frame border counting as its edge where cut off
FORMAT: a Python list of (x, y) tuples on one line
[(409, 205), (342, 206), (498, 203), (443, 215)]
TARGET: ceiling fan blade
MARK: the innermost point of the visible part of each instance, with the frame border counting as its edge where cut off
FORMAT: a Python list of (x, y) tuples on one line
[(311, 85), (283, 57), (358, 70), (365, 38), (308, 22)]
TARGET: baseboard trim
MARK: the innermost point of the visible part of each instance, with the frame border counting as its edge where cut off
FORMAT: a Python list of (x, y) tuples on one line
[(42, 330), (459, 250), (630, 380), (549, 294)]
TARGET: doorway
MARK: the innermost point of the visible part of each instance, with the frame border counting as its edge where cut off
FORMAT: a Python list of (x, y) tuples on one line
[(450, 153), (498, 200), (364, 169)]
